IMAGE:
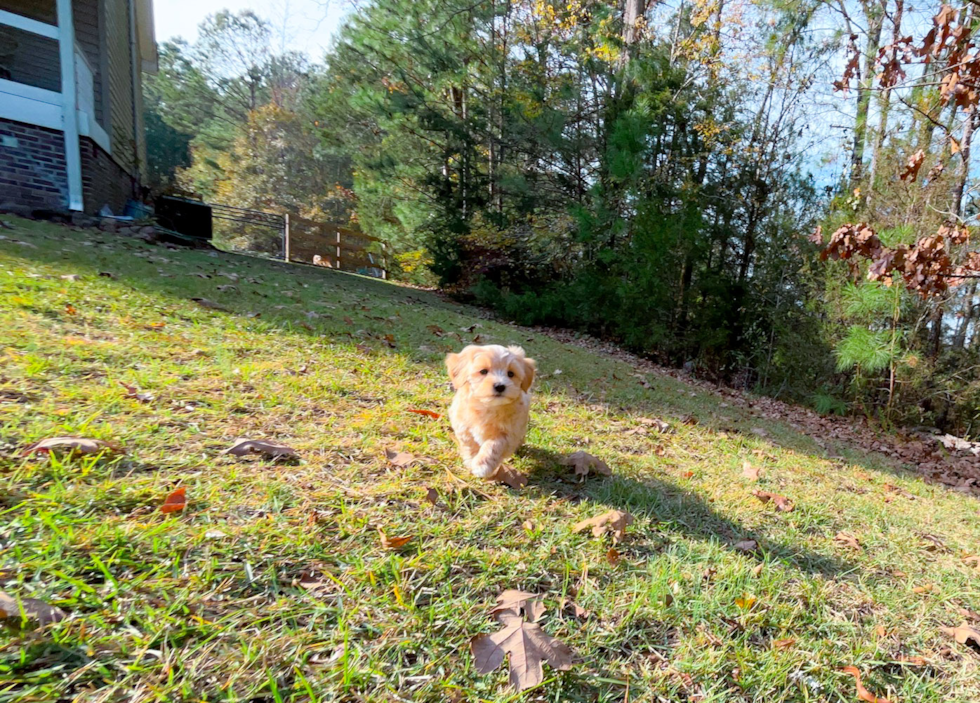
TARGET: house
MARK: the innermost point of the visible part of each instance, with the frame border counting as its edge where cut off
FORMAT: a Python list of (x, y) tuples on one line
[(71, 127)]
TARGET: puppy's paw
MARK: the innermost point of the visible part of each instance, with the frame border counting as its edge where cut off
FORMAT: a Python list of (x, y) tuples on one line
[(482, 469)]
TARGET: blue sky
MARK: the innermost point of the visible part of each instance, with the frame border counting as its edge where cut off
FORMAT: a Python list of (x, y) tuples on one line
[(300, 25)]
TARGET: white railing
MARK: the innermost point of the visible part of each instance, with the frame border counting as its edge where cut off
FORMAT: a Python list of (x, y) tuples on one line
[(26, 103)]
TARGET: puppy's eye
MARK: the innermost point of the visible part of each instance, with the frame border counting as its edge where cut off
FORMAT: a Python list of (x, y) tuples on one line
[(510, 374), (484, 372)]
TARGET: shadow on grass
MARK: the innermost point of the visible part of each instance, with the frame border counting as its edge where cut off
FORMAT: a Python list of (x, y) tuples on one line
[(673, 509)]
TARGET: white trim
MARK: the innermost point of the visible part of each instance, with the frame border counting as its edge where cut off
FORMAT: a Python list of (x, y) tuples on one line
[(12, 19), (69, 111), (21, 109), (88, 127), (29, 92)]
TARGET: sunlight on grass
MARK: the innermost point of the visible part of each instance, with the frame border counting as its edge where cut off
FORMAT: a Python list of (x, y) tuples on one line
[(273, 583)]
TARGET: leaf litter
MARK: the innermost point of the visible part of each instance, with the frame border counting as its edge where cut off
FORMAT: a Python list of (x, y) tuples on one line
[(265, 447), (583, 463), (614, 521)]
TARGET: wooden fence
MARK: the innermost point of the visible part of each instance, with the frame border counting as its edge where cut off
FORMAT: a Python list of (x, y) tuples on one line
[(333, 246)]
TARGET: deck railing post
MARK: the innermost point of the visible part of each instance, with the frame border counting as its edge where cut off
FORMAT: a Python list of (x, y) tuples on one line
[(285, 238)]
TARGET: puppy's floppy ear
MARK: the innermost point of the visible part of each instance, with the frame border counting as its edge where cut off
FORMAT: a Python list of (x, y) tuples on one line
[(456, 366), (530, 367)]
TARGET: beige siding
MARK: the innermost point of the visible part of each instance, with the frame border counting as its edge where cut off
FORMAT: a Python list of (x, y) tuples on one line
[(117, 33), (85, 15)]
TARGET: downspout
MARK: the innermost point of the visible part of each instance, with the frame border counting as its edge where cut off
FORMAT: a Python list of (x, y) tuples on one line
[(69, 105), (135, 69)]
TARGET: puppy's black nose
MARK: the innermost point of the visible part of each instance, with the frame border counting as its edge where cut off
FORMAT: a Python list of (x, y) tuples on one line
[(500, 387)]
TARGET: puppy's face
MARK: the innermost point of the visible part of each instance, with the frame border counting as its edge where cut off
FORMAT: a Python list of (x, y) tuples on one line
[(493, 374)]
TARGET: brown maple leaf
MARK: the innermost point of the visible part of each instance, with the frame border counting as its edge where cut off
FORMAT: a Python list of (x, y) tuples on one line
[(583, 462), (519, 602), (965, 634), (527, 647), (399, 459), (615, 521), (750, 472), (510, 476)]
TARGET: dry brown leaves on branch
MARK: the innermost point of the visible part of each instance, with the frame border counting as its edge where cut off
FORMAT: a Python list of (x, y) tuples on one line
[(521, 640), (912, 166), (583, 462), (615, 521)]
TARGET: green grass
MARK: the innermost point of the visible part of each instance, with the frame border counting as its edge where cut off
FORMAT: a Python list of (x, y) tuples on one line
[(273, 585)]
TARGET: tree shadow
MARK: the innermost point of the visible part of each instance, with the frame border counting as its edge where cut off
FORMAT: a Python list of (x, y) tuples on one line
[(673, 509)]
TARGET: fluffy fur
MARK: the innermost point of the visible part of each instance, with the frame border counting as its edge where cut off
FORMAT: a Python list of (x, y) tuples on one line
[(490, 410)]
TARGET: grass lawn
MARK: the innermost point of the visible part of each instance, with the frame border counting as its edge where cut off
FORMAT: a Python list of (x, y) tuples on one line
[(273, 584)]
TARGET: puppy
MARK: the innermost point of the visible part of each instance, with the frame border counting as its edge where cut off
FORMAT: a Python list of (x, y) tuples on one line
[(490, 409)]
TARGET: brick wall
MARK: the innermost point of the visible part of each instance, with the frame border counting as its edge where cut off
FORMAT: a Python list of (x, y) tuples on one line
[(103, 181), (33, 172)]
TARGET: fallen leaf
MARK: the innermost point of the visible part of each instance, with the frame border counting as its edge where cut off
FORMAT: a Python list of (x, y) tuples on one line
[(70, 309), (782, 503), (134, 393), (510, 476), (759, 432), (968, 614), (392, 542), (517, 602), (436, 330), (210, 304), (214, 534), (756, 570), (577, 610), (750, 472), (655, 422), (583, 462), (67, 445), (926, 588), (973, 561), (746, 545), (156, 325), (71, 277), (15, 610), (107, 274), (783, 644), (428, 413), (527, 647), (399, 459), (615, 521), (688, 474), (965, 634), (175, 502), (613, 556), (432, 495), (848, 540), (863, 693), (528, 525), (745, 602), (268, 448)]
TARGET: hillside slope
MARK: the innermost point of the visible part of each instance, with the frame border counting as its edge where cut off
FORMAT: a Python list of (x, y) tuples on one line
[(273, 583)]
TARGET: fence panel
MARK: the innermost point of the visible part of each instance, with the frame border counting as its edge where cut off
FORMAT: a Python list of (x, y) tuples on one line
[(334, 246)]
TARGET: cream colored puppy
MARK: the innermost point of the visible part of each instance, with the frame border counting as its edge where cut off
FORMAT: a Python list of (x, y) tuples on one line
[(490, 409)]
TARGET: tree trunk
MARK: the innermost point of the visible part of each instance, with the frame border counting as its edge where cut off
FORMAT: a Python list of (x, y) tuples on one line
[(884, 103), (875, 18)]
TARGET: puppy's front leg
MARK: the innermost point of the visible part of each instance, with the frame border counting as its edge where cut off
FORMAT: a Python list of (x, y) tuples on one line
[(489, 457)]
